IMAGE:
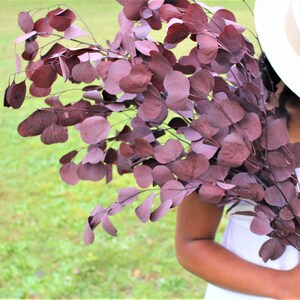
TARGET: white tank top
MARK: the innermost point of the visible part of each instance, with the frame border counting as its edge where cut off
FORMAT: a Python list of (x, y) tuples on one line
[(240, 240)]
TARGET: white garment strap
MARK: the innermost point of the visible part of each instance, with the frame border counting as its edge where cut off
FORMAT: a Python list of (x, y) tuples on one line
[(297, 171)]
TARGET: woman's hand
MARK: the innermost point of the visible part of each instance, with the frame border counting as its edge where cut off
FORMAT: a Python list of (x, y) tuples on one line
[(290, 282)]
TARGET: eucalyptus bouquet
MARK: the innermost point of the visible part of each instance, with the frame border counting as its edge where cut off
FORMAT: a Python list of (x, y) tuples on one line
[(197, 123)]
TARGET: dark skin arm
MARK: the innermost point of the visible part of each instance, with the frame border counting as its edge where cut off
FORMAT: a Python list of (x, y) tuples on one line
[(196, 250)]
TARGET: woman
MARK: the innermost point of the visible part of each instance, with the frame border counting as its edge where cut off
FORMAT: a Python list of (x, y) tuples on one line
[(234, 269)]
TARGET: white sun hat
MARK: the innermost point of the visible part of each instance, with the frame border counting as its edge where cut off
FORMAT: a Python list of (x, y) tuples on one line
[(278, 28)]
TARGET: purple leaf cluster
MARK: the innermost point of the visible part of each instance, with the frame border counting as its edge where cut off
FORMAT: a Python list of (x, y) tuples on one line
[(195, 123)]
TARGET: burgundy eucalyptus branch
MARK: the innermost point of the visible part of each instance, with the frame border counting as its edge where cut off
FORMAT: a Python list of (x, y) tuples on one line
[(212, 100)]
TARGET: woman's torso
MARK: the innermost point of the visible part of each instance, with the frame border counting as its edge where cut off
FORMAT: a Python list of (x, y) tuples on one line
[(240, 240)]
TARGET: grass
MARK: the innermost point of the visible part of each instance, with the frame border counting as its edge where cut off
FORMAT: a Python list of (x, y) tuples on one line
[(42, 219)]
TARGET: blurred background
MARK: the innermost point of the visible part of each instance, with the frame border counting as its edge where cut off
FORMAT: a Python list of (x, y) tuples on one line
[(42, 219)]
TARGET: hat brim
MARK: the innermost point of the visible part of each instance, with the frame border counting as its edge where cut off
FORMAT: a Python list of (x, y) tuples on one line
[(278, 29)]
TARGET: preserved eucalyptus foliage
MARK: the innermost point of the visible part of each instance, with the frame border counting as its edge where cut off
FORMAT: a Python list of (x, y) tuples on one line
[(197, 123)]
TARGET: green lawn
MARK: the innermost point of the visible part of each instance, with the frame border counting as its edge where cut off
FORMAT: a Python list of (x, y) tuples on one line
[(42, 219)]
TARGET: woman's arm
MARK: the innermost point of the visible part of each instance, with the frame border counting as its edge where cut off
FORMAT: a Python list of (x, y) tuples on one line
[(197, 252)]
